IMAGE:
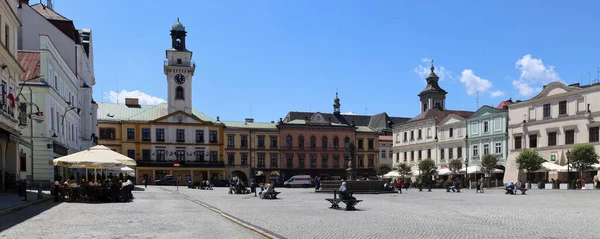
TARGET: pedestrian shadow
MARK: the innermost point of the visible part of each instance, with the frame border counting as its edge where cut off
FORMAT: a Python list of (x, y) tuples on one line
[(15, 218)]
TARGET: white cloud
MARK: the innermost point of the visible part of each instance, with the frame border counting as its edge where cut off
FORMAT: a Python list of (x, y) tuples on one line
[(349, 113), (533, 74), (423, 70), (474, 83), (497, 93), (144, 98)]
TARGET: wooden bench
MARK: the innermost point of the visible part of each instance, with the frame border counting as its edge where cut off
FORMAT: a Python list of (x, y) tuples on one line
[(271, 195), (335, 201)]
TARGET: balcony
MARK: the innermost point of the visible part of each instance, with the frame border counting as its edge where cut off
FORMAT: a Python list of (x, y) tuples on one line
[(183, 164), (182, 63)]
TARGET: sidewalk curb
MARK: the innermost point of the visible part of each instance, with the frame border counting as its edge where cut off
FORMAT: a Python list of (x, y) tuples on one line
[(23, 206), (229, 217)]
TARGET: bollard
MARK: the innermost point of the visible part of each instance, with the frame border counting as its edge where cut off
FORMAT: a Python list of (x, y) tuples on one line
[(334, 194)]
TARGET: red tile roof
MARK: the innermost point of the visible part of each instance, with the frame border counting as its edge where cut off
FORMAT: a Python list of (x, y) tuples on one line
[(504, 104), (30, 61)]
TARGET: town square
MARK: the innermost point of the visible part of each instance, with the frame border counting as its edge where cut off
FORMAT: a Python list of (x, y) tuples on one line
[(206, 119)]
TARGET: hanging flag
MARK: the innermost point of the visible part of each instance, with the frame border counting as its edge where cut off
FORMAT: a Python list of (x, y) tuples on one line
[(11, 97)]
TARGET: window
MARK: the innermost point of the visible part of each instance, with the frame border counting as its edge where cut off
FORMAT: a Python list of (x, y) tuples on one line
[(361, 161), (288, 142), (289, 161), (360, 144), (391, 154), (179, 60), (160, 134), (518, 143), (313, 161), (533, 141), (231, 159), (336, 161), (273, 141), (261, 142), (486, 149), (106, 133), (569, 136), (200, 156), (442, 154), (498, 148), (52, 117), (562, 107), (419, 134), (346, 142), (300, 160), (419, 154), (405, 138), (336, 143), (324, 161), (261, 160), (552, 139), (199, 136), (428, 153), (244, 160), (160, 155), (371, 162), (244, 141), (383, 154), (274, 161), (451, 132), (594, 134), (180, 135), (450, 153), (412, 135), (7, 36), (179, 93), (145, 154), (412, 155), (213, 136), (23, 162), (301, 142), (313, 143), (231, 141), (130, 134), (486, 126), (214, 156), (405, 156), (475, 151), (146, 134), (371, 144), (547, 111), (459, 152), (131, 153), (324, 143), (180, 155)]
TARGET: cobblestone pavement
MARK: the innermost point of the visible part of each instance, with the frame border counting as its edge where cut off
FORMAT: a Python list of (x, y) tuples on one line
[(11, 200), (155, 213), (301, 213)]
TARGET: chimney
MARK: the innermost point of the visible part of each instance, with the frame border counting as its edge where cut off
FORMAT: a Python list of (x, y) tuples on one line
[(249, 120), (132, 102), (21, 2)]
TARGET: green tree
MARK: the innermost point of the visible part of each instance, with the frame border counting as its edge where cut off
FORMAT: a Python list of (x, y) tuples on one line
[(488, 163), (404, 169), (383, 168), (529, 161), (455, 165), (427, 167), (582, 157)]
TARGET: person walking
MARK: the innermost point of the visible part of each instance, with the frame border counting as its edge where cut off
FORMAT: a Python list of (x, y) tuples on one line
[(145, 182)]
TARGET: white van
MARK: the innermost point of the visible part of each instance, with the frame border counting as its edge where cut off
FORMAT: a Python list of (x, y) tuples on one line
[(298, 180)]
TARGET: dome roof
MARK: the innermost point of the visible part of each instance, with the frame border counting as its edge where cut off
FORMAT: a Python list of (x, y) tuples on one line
[(178, 26)]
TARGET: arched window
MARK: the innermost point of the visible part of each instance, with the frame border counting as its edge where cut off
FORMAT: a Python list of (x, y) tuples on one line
[(179, 93), (288, 141), (424, 106), (346, 142), (336, 143), (301, 142), (324, 142), (313, 142)]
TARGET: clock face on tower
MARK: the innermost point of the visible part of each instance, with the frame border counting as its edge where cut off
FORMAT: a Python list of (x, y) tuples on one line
[(179, 79)]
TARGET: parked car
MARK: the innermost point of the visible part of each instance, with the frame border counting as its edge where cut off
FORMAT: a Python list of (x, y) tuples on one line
[(167, 181), (220, 183), (298, 180)]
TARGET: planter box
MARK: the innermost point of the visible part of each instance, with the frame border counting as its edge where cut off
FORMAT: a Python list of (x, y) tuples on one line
[(589, 186), (548, 186), (533, 186), (564, 186)]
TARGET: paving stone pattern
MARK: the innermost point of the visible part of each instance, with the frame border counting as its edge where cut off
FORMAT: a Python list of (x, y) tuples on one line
[(155, 213), (301, 213)]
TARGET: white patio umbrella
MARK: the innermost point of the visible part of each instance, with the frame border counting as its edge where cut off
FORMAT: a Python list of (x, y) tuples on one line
[(444, 171), (86, 159), (109, 153), (392, 174), (547, 167), (477, 169)]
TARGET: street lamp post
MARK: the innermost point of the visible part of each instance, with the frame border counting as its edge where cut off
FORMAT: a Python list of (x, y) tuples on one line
[(568, 166)]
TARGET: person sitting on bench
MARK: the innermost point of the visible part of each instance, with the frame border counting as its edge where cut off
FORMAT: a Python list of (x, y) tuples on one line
[(345, 193)]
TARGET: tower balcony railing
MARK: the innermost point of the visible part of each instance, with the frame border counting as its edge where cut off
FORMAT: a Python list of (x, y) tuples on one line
[(182, 63)]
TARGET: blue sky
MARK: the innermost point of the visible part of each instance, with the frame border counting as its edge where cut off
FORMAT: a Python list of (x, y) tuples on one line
[(262, 59)]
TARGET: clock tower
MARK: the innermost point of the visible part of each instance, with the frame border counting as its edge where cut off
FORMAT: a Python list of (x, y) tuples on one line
[(179, 69)]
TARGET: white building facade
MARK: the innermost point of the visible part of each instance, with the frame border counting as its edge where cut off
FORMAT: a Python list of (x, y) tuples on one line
[(451, 143), (556, 120), (385, 150)]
